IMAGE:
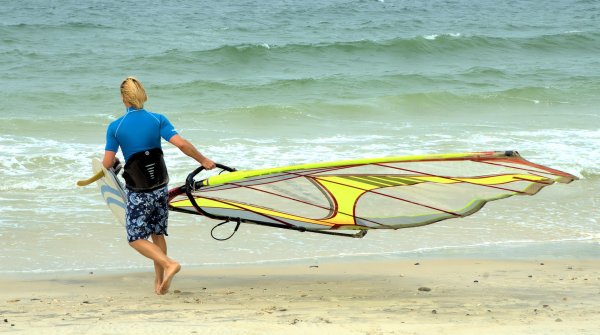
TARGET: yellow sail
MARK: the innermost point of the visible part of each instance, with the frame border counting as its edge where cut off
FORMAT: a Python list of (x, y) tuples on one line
[(384, 193)]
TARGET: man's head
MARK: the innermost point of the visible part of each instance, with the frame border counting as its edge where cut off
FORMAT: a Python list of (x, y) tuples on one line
[(133, 92)]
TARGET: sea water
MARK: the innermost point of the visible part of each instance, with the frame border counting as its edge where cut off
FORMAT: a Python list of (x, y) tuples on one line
[(257, 84)]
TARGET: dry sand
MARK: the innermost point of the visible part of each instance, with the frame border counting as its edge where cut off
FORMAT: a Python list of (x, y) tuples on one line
[(392, 297)]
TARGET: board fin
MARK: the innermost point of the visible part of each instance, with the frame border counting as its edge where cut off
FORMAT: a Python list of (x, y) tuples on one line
[(92, 179)]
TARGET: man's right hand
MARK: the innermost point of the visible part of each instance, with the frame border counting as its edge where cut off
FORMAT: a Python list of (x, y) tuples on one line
[(208, 164)]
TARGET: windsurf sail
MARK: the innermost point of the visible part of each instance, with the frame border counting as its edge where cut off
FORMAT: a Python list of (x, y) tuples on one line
[(384, 193)]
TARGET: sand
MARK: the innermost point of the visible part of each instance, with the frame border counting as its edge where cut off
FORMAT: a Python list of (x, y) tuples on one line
[(377, 297)]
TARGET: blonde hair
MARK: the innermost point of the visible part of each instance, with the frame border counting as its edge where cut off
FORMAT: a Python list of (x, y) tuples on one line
[(133, 92)]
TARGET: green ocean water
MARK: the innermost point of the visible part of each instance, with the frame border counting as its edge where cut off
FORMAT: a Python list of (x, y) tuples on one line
[(268, 83)]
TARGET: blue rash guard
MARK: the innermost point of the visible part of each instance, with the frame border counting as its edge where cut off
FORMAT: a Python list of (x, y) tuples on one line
[(138, 130)]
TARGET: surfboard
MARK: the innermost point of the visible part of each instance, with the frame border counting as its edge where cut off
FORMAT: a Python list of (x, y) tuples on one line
[(111, 189)]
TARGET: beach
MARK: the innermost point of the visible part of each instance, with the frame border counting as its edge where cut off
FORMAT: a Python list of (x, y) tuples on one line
[(264, 84), (377, 297)]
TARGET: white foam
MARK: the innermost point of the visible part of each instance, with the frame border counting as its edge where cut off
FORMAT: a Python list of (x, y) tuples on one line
[(44, 164), (433, 37)]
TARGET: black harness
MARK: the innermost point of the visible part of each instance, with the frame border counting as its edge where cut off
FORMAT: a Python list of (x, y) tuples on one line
[(146, 171)]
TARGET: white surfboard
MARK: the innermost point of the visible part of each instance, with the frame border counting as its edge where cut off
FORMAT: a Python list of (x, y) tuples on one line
[(112, 191)]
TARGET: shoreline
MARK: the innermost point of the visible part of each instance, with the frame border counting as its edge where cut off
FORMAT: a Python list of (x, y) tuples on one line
[(584, 249), (449, 296)]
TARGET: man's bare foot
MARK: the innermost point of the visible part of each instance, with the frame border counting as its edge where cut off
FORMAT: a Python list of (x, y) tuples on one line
[(157, 284), (159, 275), (170, 272)]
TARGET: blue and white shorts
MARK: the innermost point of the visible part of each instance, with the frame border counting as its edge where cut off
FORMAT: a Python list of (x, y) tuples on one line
[(147, 213)]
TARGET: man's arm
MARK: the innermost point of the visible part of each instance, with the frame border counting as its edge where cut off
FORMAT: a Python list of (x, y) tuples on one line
[(109, 159), (189, 149)]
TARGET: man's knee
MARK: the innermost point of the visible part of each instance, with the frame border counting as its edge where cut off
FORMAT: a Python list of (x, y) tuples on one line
[(157, 237)]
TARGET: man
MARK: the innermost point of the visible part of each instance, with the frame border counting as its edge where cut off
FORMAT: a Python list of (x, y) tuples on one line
[(138, 134)]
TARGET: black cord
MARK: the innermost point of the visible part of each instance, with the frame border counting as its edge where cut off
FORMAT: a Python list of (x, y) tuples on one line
[(222, 223)]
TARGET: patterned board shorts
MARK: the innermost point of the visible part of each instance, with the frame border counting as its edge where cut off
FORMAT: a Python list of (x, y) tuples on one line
[(147, 213)]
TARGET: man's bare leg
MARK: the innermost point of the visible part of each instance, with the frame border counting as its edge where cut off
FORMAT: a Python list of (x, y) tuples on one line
[(155, 253), (159, 271)]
